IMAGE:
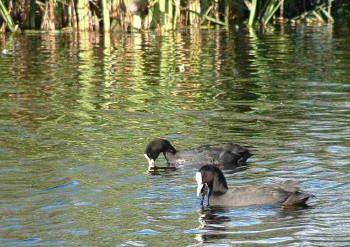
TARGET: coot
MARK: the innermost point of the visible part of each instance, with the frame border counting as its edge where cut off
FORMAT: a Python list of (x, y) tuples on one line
[(211, 181), (226, 156)]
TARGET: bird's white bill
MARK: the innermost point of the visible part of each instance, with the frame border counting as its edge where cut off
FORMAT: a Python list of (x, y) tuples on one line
[(199, 189), (199, 183), (151, 162)]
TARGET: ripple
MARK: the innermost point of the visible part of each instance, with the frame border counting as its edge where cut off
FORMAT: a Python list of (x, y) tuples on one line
[(247, 222), (79, 232), (7, 170), (146, 232), (11, 227), (173, 217), (29, 241), (63, 186), (134, 243), (79, 204), (54, 206)]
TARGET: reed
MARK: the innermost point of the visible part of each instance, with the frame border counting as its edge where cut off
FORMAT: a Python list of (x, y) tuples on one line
[(318, 15), (227, 12), (82, 15), (269, 10), (191, 13), (32, 14), (72, 15), (48, 21), (106, 18), (253, 7), (262, 11), (7, 18), (165, 14)]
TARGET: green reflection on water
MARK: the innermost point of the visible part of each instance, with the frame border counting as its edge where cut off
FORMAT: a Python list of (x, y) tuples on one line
[(78, 109)]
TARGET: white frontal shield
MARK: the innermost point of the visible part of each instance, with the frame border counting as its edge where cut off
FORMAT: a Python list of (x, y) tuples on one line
[(199, 183), (151, 163)]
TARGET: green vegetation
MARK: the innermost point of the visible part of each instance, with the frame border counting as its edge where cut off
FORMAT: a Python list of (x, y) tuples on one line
[(5, 15), (93, 15)]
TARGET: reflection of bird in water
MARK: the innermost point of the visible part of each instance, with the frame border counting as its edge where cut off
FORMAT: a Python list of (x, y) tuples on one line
[(210, 220), (215, 226), (211, 181), (212, 223)]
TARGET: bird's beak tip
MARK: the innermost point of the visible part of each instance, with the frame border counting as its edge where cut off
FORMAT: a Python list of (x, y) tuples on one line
[(151, 162), (199, 189)]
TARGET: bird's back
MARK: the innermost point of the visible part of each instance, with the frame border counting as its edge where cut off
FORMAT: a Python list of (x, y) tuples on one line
[(286, 194), (225, 155)]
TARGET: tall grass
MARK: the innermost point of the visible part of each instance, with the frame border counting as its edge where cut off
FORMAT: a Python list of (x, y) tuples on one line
[(269, 10), (106, 18), (7, 17), (319, 15), (253, 8), (48, 22), (82, 15)]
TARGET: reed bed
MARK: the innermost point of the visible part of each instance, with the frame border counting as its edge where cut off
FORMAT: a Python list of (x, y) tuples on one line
[(162, 15)]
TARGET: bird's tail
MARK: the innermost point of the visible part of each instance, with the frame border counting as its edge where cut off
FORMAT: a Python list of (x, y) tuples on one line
[(297, 198)]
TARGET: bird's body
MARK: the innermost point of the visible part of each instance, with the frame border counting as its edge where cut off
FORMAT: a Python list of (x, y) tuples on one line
[(227, 156), (280, 194), (261, 195)]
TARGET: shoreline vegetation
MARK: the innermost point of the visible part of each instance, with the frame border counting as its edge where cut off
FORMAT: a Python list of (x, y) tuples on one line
[(162, 15)]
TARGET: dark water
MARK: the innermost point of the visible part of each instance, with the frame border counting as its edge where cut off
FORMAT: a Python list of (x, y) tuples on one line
[(77, 112)]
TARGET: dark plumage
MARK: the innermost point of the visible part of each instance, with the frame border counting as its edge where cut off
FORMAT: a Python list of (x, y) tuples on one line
[(211, 181), (138, 7), (227, 156)]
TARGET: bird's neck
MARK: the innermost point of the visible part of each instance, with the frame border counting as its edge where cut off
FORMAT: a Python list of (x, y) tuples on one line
[(219, 186)]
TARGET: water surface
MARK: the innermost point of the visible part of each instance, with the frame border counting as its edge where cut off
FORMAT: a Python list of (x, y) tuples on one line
[(78, 110)]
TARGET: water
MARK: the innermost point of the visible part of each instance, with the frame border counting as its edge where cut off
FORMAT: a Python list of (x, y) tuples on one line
[(77, 113)]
